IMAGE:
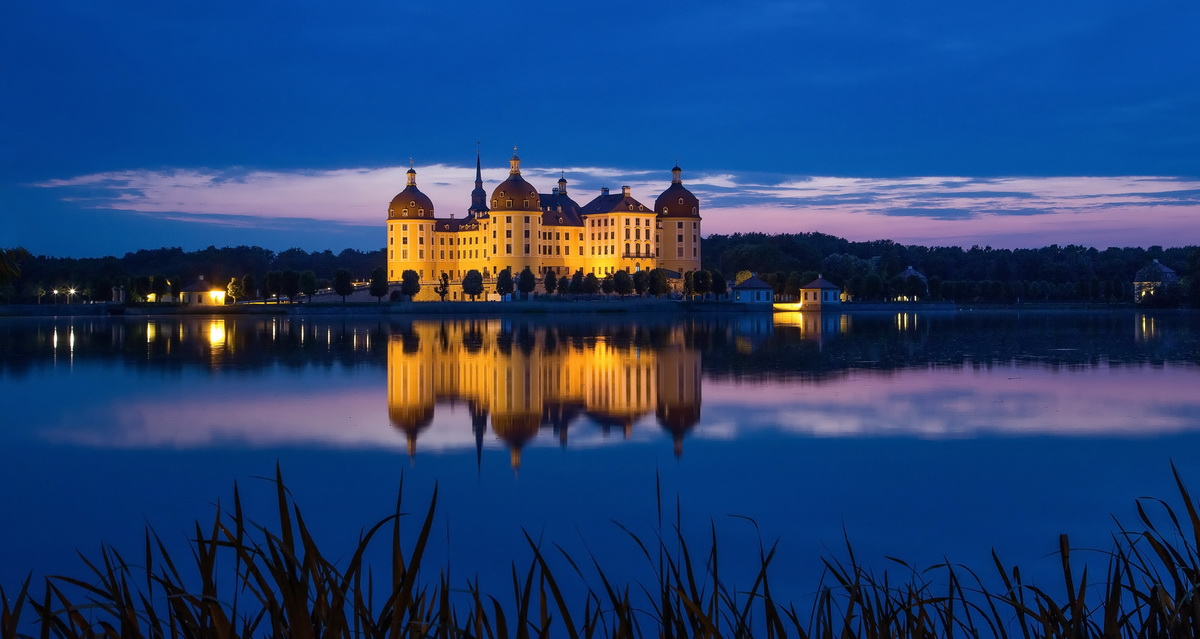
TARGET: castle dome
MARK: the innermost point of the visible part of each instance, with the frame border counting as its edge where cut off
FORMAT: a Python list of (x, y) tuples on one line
[(515, 194), (411, 202), (677, 201)]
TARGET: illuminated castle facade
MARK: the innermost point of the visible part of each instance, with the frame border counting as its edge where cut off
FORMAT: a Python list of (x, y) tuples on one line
[(518, 228)]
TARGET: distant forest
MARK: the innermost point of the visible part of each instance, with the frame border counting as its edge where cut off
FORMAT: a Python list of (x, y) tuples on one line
[(866, 270)]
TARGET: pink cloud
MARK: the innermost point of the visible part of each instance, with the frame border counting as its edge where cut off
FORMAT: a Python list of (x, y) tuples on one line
[(1004, 212)]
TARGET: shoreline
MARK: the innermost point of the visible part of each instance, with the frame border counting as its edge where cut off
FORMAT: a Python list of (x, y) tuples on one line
[(527, 307)]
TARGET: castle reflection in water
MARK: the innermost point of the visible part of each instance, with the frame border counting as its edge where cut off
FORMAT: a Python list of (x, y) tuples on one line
[(531, 379)]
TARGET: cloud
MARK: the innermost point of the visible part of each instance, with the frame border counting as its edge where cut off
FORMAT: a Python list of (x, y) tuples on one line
[(1000, 211)]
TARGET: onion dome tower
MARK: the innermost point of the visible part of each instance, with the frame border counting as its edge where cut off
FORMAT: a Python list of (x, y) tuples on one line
[(677, 201), (515, 194), (678, 221), (411, 202)]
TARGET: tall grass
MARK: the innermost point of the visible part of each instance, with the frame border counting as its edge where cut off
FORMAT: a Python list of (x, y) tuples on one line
[(250, 580)]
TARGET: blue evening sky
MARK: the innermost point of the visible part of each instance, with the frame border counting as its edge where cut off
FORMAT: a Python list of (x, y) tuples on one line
[(128, 125)]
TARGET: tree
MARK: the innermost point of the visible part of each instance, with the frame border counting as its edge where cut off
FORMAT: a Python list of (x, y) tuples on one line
[(343, 283), (504, 283), (289, 284), (308, 284), (659, 285), (410, 283), (719, 285), (142, 288), (622, 283), (702, 282), (159, 286), (248, 287), (273, 284), (742, 276), (378, 286), (607, 284), (689, 283), (526, 282), (234, 289), (472, 284), (577, 282), (10, 263), (591, 284), (550, 283), (443, 286), (641, 282)]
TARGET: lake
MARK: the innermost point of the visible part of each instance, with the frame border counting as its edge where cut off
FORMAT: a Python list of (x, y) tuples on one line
[(924, 436)]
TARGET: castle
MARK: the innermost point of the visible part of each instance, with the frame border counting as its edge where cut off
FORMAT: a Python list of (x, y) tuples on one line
[(519, 228)]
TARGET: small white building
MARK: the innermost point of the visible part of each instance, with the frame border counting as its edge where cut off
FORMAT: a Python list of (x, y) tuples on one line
[(202, 293), (753, 291), (820, 293)]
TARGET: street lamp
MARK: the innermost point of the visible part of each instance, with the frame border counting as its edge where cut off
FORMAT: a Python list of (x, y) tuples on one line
[(70, 292), (55, 291)]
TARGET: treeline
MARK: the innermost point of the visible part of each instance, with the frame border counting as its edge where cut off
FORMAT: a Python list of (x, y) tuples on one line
[(873, 270), (168, 269)]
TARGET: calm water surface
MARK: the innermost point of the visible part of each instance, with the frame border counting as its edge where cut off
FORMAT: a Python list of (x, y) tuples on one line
[(922, 436)]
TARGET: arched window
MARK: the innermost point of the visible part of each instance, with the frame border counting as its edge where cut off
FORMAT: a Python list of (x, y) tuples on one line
[(664, 209), (405, 212), (681, 200), (627, 248), (648, 250)]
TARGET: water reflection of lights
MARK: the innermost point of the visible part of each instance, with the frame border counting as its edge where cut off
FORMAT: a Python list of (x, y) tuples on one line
[(1147, 328), (906, 321), (216, 334)]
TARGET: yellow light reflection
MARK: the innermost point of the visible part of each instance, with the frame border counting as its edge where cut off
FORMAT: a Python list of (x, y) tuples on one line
[(216, 333)]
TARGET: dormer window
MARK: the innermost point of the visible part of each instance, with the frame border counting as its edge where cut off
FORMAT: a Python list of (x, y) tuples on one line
[(412, 203), (404, 212), (641, 208), (420, 211), (509, 204), (681, 200), (664, 209)]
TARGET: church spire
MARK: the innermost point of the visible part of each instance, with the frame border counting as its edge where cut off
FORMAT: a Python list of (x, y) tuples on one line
[(478, 196)]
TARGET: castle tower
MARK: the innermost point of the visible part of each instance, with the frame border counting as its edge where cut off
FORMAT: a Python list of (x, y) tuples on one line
[(678, 226), (516, 214), (410, 227)]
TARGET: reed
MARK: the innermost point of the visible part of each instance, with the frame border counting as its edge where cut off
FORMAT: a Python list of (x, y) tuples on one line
[(250, 580)]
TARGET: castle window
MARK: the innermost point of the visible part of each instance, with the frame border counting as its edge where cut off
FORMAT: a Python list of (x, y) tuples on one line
[(627, 234), (494, 204), (411, 203), (679, 252), (681, 200), (647, 249), (420, 239), (404, 212), (404, 254), (524, 204), (679, 238), (391, 240), (693, 210), (627, 219), (664, 209), (630, 208), (679, 225), (693, 251), (556, 250), (421, 254), (527, 234), (527, 249), (507, 232), (508, 249), (641, 208), (509, 204), (420, 211), (404, 240), (694, 225)]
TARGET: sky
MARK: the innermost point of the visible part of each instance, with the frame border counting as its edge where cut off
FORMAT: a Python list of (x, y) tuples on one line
[(130, 125)]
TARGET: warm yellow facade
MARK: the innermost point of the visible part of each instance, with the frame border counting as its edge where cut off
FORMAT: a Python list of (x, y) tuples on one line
[(518, 228), (522, 384)]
